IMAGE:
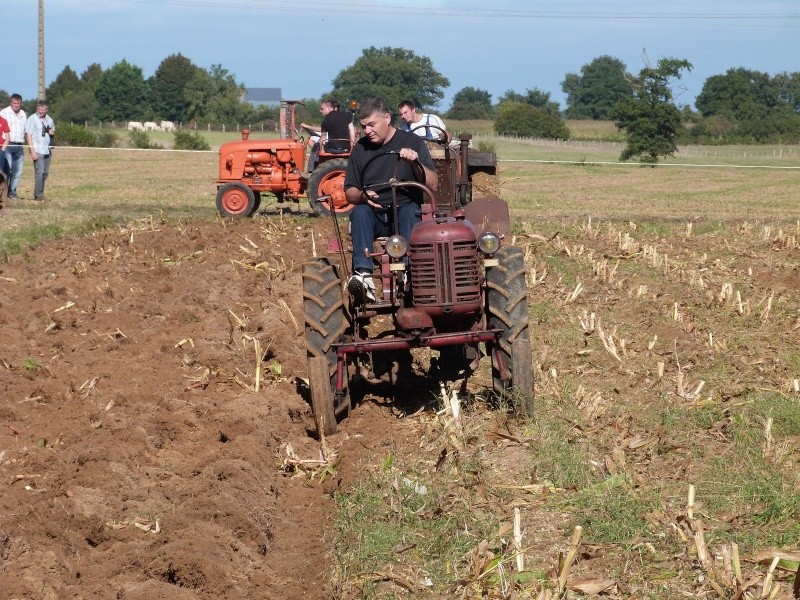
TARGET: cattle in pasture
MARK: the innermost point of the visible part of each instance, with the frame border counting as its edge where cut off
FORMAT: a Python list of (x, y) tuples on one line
[(135, 126), (167, 126), (150, 126)]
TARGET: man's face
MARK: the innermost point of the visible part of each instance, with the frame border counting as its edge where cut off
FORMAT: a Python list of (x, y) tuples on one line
[(16, 105), (408, 114), (376, 127), (325, 109), (41, 110)]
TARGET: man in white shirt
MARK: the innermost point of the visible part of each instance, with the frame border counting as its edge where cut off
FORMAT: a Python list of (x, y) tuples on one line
[(15, 151), (413, 119)]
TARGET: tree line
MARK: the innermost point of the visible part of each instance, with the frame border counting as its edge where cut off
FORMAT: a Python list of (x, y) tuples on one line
[(738, 106)]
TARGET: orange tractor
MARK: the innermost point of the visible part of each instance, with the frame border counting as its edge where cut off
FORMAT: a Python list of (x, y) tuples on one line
[(250, 167)]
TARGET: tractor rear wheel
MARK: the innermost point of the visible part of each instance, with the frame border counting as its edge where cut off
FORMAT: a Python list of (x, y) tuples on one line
[(235, 199), (325, 319), (507, 301), (328, 180)]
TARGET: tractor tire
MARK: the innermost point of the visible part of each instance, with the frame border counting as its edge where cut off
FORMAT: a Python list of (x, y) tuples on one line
[(235, 200), (507, 301), (325, 318), (319, 381), (328, 180)]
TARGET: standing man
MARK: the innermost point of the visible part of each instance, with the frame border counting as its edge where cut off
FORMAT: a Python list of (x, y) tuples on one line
[(38, 130), (382, 154), (413, 118), (15, 151)]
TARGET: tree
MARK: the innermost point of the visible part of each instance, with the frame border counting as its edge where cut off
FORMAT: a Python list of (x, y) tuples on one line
[(122, 94), (67, 82), (739, 94), (214, 95), (168, 87), (523, 119), (90, 76), (594, 93), (471, 103), (534, 97), (394, 74), (649, 117), (76, 107)]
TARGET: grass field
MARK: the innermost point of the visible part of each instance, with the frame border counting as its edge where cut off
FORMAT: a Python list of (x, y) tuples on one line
[(90, 187)]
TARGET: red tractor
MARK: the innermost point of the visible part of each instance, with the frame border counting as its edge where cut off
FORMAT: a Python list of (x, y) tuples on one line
[(250, 167), (454, 286)]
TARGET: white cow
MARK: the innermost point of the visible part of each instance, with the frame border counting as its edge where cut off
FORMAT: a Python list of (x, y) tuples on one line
[(135, 126), (167, 126), (150, 126)]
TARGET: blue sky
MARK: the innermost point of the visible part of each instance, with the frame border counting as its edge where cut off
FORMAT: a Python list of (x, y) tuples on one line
[(496, 45)]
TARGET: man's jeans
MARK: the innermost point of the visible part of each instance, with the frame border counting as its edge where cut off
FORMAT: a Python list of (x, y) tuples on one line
[(366, 224), (41, 167), (15, 159)]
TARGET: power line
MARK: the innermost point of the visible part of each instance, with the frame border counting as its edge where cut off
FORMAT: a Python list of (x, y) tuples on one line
[(762, 19)]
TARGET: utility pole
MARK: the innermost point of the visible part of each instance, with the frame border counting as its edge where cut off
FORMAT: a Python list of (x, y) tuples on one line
[(41, 50)]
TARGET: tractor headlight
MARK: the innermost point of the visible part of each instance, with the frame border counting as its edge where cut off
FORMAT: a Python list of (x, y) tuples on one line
[(396, 246), (488, 243)]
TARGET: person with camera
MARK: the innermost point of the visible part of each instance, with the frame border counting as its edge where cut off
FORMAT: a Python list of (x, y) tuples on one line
[(39, 131)]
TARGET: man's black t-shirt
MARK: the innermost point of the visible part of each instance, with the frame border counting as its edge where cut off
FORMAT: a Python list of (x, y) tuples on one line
[(337, 125), (371, 164)]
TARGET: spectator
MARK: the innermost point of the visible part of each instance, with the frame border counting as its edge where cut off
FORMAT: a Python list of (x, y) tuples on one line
[(15, 153), (413, 118), (337, 133), (373, 162), (39, 130)]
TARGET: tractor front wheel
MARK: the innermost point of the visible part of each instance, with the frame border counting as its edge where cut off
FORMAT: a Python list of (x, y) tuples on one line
[(236, 200), (507, 300), (327, 181)]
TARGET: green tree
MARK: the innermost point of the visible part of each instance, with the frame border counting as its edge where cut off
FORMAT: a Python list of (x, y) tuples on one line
[(168, 87), (76, 107), (523, 119), (739, 94), (214, 95), (649, 117), (534, 97), (122, 94), (594, 93), (394, 74), (67, 82), (90, 76), (788, 85), (471, 103)]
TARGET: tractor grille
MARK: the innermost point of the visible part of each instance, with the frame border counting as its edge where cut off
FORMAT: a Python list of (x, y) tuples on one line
[(445, 274)]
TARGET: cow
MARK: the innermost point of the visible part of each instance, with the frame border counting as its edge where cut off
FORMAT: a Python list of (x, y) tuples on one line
[(135, 126), (150, 126), (167, 126)]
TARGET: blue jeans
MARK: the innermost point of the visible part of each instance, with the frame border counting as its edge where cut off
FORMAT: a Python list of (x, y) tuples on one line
[(366, 224), (15, 159), (41, 167)]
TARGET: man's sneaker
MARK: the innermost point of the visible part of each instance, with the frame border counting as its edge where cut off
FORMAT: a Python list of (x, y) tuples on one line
[(361, 288)]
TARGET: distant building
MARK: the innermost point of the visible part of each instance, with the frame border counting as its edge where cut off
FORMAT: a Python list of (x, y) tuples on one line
[(262, 96)]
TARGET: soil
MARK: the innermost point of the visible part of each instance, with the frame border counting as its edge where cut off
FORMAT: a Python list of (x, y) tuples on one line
[(136, 459)]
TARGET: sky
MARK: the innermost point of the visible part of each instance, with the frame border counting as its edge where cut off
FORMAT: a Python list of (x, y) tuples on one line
[(493, 45)]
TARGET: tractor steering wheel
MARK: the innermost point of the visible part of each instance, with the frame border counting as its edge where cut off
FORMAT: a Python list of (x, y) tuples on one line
[(394, 182), (444, 140)]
